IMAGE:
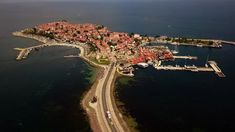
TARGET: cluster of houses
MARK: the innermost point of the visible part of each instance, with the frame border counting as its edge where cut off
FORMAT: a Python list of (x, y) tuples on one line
[(124, 46)]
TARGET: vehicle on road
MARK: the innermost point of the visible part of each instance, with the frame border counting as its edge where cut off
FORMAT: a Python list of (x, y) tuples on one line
[(108, 114)]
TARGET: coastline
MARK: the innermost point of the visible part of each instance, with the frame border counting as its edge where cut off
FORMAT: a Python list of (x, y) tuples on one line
[(91, 114), (34, 37), (126, 121), (49, 41), (85, 98), (124, 116), (84, 102)]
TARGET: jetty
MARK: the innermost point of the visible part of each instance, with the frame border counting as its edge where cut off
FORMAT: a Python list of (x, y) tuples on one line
[(216, 68), (24, 52), (184, 68), (186, 57), (228, 42), (213, 68), (72, 56)]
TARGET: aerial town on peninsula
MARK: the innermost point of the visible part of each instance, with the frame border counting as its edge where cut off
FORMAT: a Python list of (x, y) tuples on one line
[(103, 46), (113, 52)]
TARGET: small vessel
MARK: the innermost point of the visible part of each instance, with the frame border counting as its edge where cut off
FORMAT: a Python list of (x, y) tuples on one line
[(175, 51), (143, 65), (199, 45), (206, 64)]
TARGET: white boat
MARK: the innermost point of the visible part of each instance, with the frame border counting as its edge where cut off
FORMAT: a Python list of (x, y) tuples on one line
[(199, 45), (175, 51), (143, 65)]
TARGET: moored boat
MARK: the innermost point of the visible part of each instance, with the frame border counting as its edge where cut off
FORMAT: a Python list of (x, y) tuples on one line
[(143, 65)]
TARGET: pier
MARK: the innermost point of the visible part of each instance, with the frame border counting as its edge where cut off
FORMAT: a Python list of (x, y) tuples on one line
[(213, 68), (228, 42), (184, 68), (71, 56), (217, 70), (24, 52), (186, 57)]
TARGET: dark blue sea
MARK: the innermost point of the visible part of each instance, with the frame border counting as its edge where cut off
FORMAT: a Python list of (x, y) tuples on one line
[(43, 92)]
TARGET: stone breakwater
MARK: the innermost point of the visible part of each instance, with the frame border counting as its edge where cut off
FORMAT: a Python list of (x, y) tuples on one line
[(49, 42)]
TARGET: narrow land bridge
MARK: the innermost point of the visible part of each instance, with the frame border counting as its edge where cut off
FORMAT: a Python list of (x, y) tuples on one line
[(103, 90), (105, 105)]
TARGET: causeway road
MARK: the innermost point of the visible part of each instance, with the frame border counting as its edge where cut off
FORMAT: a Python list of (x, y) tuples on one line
[(106, 115)]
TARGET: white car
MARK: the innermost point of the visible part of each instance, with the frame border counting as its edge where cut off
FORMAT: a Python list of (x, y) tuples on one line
[(108, 114)]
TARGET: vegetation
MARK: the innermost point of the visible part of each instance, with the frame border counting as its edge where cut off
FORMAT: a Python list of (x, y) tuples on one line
[(45, 34), (63, 20), (100, 27), (112, 44), (138, 41), (101, 61), (168, 39), (132, 123), (34, 31), (93, 47), (30, 31), (131, 34)]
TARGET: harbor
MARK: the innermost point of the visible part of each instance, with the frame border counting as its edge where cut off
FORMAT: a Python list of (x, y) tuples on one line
[(213, 68), (24, 52), (216, 68)]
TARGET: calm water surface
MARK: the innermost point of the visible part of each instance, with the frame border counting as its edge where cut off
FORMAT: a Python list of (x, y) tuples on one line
[(43, 92)]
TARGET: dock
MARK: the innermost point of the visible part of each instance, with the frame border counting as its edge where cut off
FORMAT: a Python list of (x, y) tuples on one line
[(186, 57), (24, 52), (228, 42), (185, 68), (216, 68), (213, 68)]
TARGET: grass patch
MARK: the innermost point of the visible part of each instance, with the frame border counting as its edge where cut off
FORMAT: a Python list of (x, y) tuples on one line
[(102, 61), (132, 123)]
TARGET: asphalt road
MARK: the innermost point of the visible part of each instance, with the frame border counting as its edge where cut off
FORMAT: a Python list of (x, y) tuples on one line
[(105, 105)]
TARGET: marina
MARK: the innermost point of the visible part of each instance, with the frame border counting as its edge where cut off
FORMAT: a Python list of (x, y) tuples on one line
[(216, 68), (24, 52), (213, 68), (48, 89)]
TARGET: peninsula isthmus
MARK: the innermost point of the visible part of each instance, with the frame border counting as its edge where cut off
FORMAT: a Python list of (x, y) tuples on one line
[(114, 53)]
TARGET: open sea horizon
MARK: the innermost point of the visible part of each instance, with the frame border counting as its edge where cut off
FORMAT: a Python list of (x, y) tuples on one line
[(43, 92)]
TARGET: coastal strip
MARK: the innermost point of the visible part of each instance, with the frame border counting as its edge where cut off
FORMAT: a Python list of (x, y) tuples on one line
[(101, 88), (111, 52)]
